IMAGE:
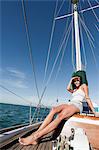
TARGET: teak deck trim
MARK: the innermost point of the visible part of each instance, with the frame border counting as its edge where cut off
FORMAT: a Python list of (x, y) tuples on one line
[(6, 138)]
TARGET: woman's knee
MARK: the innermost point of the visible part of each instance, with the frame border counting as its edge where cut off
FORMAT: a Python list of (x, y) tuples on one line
[(53, 110), (59, 108), (61, 116)]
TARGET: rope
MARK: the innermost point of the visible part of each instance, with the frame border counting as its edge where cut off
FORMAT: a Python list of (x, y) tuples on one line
[(29, 47), (93, 11), (14, 93), (50, 43)]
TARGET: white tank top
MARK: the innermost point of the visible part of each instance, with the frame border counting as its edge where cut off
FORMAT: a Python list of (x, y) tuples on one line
[(78, 96)]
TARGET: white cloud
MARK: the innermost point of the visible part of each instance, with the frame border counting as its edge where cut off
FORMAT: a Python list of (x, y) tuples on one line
[(14, 78), (16, 73), (14, 83)]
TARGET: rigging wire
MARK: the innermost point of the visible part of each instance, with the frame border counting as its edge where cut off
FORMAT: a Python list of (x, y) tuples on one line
[(38, 105), (97, 27), (50, 43), (55, 61), (87, 31), (65, 42), (93, 53), (14, 93), (84, 10), (29, 46), (93, 11), (64, 16), (49, 49), (81, 11), (97, 2), (64, 34), (60, 7), (65, 27), (47, 60), (50, 75), (91, 46)]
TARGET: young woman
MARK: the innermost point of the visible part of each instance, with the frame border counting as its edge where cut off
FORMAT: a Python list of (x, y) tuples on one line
[(63, 111)]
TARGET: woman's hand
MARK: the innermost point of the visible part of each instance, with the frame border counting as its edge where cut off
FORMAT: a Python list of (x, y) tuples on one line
[(69, 85), (74, 78)]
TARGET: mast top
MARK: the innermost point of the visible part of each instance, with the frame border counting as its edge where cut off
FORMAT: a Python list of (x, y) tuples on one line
[(74, 1)]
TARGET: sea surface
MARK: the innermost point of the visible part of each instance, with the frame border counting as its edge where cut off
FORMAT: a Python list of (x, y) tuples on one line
[(11, 115)]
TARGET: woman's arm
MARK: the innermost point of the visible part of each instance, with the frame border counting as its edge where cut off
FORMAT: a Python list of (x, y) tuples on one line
[(85, 88), (69, 85)]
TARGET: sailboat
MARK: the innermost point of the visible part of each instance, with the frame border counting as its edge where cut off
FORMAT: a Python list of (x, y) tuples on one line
[(87, 122)]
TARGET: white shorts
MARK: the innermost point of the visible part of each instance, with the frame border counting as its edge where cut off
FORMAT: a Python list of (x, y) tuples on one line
[(77, 104)]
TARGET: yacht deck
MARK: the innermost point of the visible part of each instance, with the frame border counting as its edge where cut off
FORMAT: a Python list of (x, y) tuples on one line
[(91, 129)]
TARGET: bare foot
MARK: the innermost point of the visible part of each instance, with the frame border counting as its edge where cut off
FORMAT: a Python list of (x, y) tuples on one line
[(32, 139)]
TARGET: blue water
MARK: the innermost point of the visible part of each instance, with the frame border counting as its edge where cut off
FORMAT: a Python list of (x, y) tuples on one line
[(16, 114)]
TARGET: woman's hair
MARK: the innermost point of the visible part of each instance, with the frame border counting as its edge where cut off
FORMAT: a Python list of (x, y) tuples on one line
[(83, 78), (73, 85)]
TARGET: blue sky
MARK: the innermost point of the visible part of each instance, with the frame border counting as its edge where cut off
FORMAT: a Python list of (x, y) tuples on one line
[(15, 68)]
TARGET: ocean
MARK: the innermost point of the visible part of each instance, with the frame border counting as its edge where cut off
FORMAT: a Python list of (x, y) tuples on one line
[(11, 114)]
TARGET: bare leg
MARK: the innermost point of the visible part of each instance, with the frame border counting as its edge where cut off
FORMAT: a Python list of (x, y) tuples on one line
[(50, 116), (33, 139), (47, 121), (64, 114)]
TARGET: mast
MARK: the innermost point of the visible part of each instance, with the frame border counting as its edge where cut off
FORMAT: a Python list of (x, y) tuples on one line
[(77, 38)]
